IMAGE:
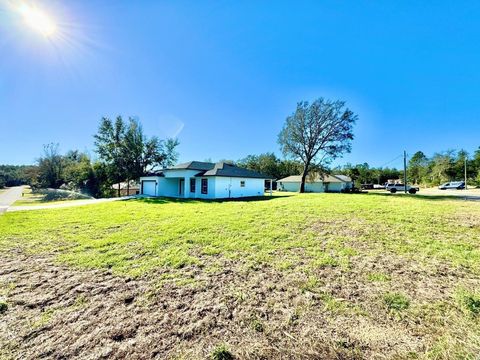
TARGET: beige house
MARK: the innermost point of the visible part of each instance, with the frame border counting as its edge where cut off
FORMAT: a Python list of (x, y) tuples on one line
[(316, 183), (125, 190)]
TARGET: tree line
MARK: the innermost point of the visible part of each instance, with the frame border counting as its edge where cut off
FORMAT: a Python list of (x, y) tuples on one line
[(124, 153), (444, 166), (312, 137)]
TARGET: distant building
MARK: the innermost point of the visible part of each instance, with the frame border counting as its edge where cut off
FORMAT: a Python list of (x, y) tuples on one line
[(125, 190), (317, 183)]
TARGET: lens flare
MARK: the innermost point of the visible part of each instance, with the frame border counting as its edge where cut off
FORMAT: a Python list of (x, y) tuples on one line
[(37, 20)]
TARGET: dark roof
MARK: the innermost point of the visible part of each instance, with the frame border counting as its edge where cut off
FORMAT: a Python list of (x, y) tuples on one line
[(154, 173), (229, 170), (194, 165)]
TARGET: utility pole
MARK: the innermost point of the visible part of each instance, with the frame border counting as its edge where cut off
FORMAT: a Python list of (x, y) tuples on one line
[(405, 171), (466, 186)]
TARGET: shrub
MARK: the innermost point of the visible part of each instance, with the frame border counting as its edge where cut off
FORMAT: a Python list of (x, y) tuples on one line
[(56, 195), (3, 307), (257, 325), (470, 302), (396, 301), (221, 352)]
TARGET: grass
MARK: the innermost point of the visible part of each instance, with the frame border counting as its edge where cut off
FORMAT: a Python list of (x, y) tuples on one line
[(221, 352), (286, 232), (346, 251), (47, 196), (396, 302)]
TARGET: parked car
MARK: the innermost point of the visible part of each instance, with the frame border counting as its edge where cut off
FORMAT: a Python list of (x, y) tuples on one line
[(393, 188), (459, 185)]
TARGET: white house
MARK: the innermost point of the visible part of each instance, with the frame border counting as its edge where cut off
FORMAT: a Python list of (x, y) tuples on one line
[(317, 183), (204, 180)]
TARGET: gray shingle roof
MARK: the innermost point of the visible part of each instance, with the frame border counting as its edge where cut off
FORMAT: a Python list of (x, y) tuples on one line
[(344, 178), (194, 165), (229, 170), (218, 169)]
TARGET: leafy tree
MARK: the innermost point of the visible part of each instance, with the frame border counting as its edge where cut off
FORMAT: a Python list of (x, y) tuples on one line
[(442, 167), (142, 154), (109, 146), (270, 164), (128, 153), (51, 166), (13, 175), (475, 165), (417, 167), (317, 133)]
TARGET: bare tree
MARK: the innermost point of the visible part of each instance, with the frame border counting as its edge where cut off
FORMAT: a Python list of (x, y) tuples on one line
[(317, 133)]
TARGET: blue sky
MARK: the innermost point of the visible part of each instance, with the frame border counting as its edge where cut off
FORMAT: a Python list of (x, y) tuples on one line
[(223, 75)]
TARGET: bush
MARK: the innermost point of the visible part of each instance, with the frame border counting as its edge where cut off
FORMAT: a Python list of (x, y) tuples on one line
[(257, 325), (396, 301), (3, 307), (55, 195), (221, 353), (470, 302)]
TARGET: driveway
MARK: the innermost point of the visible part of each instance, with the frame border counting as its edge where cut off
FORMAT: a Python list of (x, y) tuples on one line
[(9, 196), (470, 194)]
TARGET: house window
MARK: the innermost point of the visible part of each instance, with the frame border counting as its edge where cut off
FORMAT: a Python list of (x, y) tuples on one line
[(242, 183), (204, 186), (192, 185)]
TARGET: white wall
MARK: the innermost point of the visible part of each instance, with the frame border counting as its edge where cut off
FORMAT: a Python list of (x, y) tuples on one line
[(179, 173), (229, 187), (210, 190), (315, 187), (149, 178), (290, 186), (165, 187), (219, 187), (168, 187)]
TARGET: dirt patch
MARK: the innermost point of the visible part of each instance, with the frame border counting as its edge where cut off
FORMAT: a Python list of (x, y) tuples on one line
[(58, 312), (466, 220)]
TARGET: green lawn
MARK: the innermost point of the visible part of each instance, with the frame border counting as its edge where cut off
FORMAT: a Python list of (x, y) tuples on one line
[(30, 198), (406, 262)]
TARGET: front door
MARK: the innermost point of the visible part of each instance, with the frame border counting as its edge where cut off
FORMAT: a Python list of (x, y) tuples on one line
[(181, 187)]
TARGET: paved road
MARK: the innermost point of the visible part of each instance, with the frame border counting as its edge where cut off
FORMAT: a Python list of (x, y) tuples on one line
[(470, 194), (9, 196)]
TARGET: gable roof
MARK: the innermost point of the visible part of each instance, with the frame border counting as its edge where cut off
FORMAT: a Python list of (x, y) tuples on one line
[(193, 165), (344, 178), (318, 178), (230, 170)]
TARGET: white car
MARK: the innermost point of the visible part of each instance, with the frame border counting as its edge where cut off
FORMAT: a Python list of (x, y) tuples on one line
[(393, 188)]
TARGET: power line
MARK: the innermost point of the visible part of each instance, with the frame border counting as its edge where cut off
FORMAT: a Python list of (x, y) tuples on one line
[(398, 157)]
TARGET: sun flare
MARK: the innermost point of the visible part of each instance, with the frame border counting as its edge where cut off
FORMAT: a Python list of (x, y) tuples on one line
[(38, 20)]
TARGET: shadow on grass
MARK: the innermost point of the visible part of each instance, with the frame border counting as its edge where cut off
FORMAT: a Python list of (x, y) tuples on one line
[(166, 200)]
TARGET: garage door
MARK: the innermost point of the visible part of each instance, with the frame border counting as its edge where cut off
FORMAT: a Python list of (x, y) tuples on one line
[(148, 188)]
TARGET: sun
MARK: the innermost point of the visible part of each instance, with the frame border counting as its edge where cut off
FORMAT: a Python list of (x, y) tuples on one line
[(38, 20)]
